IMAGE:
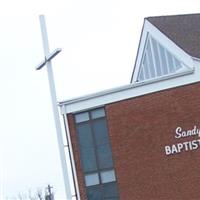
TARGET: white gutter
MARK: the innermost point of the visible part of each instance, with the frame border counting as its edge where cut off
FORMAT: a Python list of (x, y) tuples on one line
[(127, 91)]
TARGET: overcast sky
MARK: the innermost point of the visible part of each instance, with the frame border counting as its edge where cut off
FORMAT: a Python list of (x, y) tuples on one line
[(99, 40)]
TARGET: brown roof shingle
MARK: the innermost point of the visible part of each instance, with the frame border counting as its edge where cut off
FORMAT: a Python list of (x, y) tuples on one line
[(183, 30)]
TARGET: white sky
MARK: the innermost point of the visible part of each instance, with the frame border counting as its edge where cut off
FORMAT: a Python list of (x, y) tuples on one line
[(99, 40)]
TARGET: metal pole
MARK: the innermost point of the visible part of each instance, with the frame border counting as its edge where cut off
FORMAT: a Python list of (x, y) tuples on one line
[(55, 109)]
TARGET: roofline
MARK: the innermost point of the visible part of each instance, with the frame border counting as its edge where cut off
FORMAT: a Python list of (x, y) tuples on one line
[(175, 15), (172, 15), (119, 89), (149, 28), (137, 50)]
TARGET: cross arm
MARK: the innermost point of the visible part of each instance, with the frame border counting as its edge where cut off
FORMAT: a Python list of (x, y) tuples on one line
[(48, 58)]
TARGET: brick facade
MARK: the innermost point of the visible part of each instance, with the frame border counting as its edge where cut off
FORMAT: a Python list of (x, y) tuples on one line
[(139, 129)]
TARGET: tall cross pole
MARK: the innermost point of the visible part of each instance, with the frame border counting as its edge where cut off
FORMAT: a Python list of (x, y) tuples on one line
[(47, 62)]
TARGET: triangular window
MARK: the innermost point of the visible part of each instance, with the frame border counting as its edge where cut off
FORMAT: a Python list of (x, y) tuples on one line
[(157, 61)]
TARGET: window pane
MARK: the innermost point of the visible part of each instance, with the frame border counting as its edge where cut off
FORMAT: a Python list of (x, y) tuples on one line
[(85, 135), (108, 176), (157, 61), (178, 64), (82, 117), (170, 61), (100, 132), (141, 76), (86, 147), (98, 113), (88, 159), (156, 57), (110, 191), (151, 65), (94, 193), (145, 66), (92, 179), (104, 156), (163, 60)]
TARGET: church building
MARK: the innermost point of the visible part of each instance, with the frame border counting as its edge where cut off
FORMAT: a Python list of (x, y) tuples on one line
[(141, 141)]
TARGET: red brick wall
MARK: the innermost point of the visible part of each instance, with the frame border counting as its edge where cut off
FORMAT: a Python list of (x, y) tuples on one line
[(139, 130)]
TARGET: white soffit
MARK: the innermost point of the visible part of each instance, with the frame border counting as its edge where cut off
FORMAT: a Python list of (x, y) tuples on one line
[(150, 29)]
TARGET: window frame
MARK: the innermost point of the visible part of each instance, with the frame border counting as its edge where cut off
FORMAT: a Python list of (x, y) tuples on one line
[(163, 59), (98, 170)]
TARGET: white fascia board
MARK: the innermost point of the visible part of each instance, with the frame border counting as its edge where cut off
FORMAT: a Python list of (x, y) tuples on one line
[(179, 53), (131, 91)]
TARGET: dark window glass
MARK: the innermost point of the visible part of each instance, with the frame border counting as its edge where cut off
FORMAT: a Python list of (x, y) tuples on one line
[(96, 156), (94, 193), (86, 147), (100, 132), (110, 191), (104, 156), (88, 159), (85, 135)]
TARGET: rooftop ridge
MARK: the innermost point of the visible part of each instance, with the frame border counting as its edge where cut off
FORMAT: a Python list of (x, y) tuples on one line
[(172, 15), (183, 30)]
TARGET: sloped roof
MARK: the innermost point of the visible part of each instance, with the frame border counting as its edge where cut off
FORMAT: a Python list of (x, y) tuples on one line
[(183, 30)]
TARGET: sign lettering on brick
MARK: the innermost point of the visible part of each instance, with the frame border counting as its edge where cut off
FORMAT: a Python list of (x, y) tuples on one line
[(184, 146)]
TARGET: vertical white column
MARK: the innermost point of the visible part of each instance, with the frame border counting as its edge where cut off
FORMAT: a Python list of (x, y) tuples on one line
[(55, 110), (71, 153)]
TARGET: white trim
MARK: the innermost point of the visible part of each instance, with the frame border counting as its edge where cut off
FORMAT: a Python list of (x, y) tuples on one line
[(63, 108), (196, 59), (131, 91), (179, 53)]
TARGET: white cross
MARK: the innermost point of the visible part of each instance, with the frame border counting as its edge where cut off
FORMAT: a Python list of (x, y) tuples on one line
[(48, 58), (47, 62)]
